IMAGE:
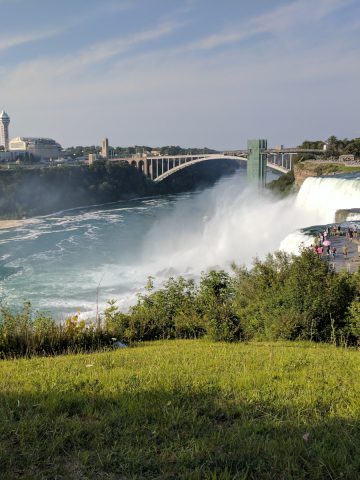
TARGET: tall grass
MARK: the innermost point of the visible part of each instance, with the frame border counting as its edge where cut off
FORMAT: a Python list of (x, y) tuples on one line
[(27, 333)]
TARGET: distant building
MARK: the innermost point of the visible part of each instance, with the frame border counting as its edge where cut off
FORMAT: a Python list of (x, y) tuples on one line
[(347, 158), (92, 158), (4, 130), (44, 148), (105, 149)]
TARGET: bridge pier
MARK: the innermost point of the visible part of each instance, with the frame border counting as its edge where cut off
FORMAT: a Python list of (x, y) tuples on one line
[(291, 160)]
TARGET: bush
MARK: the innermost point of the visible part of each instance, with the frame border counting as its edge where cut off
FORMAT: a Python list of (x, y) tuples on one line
[(282, 297), (169, 312), (293, 298)]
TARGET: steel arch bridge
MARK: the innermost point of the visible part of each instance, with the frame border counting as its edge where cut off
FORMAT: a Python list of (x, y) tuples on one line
[(158, 168)]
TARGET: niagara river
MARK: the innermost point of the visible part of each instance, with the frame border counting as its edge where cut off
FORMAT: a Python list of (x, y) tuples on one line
[(79, 259)]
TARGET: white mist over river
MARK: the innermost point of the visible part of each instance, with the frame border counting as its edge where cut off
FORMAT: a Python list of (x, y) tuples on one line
[(60, 262)]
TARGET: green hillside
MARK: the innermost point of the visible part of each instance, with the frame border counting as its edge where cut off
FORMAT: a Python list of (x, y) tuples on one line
[(183, 409)]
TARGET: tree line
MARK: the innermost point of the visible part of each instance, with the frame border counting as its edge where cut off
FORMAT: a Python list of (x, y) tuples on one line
[(38, 191), (29, 192), (80, 151), (334, 147)]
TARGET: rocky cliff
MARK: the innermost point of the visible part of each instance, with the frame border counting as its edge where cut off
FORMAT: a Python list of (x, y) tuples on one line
[(302, 172)]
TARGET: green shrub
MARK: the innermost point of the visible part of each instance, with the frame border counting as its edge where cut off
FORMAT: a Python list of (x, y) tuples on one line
[(283, 297)]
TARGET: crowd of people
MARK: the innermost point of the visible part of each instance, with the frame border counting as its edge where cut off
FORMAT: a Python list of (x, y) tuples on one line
[(322, 245)]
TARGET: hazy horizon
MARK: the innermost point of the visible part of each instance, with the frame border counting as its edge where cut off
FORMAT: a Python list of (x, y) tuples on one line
[(185, 72)]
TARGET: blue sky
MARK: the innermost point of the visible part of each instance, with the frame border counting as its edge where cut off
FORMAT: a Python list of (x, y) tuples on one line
[(188, 72)]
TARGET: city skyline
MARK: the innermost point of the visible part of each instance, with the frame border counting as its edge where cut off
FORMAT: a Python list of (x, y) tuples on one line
[(182, 72)]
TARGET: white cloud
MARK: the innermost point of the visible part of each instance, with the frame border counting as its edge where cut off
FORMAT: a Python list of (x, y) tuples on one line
[(281, 19), (171, 96), (21, 39), (11, 41), (105, 50)]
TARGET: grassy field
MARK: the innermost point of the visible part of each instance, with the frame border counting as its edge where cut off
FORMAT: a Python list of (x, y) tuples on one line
[(183, 409), (326, 168)]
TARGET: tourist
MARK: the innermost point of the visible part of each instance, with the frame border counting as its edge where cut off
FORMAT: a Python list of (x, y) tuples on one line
[(345, 251), (333, 251)]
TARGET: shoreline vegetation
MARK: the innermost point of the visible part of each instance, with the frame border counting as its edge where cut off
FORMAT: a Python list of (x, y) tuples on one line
[(284, 297), (25, 193)]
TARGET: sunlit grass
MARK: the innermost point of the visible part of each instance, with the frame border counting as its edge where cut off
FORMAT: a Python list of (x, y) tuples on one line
[(183, 409)]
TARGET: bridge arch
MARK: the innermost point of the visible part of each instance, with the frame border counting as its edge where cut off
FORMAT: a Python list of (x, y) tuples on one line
[(161, 167), (191, 162)]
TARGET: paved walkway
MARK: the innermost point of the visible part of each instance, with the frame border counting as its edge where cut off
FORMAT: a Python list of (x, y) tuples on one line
[(340, 263)]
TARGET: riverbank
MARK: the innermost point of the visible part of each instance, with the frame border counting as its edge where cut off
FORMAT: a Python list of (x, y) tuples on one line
[(5, 224), (29, 193), (318, 168)]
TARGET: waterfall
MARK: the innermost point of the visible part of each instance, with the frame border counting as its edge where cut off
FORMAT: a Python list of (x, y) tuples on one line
[(325, 195), (320, 198)]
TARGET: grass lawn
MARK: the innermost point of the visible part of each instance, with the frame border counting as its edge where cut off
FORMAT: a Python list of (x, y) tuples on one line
[(183, 409), (325, 168)]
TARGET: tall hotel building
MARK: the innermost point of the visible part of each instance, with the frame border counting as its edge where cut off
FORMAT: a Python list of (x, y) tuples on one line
[(4, 130)]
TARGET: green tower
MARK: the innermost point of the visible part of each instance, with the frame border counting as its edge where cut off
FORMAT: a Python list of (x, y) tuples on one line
[(256, 162)]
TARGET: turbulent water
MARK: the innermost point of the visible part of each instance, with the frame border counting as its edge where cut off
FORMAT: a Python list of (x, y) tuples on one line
[(79, 259)]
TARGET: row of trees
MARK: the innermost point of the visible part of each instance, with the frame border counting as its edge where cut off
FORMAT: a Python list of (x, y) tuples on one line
[(28, 192), (335, 146), (80, 151)]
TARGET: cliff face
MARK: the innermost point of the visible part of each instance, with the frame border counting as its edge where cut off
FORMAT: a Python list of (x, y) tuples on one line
[(302, 173)]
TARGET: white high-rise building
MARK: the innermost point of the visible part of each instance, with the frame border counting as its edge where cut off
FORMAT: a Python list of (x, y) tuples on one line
[(4, 130)]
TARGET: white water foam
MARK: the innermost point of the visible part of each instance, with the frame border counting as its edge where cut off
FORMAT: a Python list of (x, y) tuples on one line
[(229, 223), (324, 195)]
